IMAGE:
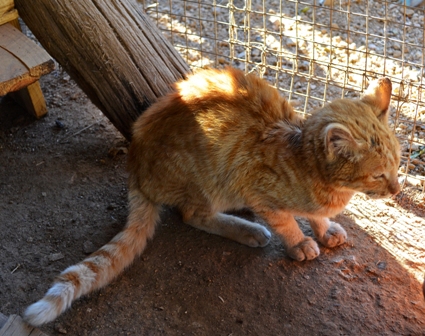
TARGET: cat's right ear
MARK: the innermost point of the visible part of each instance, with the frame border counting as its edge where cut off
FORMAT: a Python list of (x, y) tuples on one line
[(340, 142), (378, 95)]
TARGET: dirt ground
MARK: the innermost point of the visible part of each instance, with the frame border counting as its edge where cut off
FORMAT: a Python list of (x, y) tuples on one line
[(63, 195)]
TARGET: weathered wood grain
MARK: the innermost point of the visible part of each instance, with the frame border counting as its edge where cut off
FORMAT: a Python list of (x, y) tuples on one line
[(15, 326), (6, 6), (22, 61), (111, 49), (8, 16)]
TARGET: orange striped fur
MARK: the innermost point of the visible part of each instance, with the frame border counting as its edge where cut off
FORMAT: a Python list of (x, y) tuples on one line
[(223, 141)]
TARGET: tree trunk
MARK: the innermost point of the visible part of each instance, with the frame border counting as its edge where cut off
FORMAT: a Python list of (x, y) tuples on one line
[(111, 49)]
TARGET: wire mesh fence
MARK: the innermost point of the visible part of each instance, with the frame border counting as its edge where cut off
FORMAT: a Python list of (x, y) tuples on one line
[(313, 51)]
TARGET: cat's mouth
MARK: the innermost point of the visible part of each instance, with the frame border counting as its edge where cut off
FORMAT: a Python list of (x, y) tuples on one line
[(371, 194), (374, 195)]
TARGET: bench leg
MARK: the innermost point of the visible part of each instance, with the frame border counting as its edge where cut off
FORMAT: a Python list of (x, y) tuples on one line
[(31, 98)]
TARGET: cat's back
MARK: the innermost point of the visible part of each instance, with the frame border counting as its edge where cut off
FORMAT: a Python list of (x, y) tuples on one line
[(219, 101)]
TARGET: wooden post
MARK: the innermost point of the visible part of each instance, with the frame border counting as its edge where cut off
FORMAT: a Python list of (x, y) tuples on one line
[(31, 99), (111, 49)]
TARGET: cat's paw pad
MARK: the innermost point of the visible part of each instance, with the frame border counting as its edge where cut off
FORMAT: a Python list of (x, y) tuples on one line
[(335, 236), (306, 250), (258, 237)]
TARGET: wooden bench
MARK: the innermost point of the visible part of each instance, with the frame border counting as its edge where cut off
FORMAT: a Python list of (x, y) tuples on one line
[(22, 63)]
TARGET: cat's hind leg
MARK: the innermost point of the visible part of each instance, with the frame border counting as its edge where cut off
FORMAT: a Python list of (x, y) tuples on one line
[(228, 226), (328, 233)]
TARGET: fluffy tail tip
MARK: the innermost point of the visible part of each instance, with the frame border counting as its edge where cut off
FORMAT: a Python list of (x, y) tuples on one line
[(40, 313)]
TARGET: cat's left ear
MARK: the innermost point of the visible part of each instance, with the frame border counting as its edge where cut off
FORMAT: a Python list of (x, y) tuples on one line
[(378, 95), (339, 142)]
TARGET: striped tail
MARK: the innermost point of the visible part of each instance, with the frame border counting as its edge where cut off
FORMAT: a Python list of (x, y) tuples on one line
[(101, 267)]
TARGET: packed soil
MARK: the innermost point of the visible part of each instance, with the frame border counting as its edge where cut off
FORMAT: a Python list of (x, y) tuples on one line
[(63, 195)]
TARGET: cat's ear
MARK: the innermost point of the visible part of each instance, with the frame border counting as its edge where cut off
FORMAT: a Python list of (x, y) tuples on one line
[(378, 95), (340, 142)]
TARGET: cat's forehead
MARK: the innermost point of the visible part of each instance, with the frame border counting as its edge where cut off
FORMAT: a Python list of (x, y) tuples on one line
[(364, 121), (386, 146)]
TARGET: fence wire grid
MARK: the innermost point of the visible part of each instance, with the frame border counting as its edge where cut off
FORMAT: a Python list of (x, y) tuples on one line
[(313, 51)]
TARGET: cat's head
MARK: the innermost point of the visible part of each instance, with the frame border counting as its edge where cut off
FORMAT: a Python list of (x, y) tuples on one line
[(361, 152)]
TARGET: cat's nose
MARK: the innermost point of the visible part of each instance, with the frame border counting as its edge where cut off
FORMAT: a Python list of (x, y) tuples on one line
[(394, 187)]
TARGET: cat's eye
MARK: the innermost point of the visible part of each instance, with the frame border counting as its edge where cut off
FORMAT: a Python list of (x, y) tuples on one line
[(378, 176)]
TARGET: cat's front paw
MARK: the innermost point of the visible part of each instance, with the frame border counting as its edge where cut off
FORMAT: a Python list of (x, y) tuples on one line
[(334, 236), (306, 250)]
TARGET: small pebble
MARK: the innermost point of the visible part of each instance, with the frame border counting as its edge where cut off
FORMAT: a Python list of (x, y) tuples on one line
[(255, 52), (59, 124), (60, 329), (382, 265), (88, 247), (409, 12), (397, 53), (241, 55), (111, 206), (337, 260), (415, 147), (56, 256)]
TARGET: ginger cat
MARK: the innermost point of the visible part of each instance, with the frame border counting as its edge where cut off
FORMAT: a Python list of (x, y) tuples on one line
[(223, 141)]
